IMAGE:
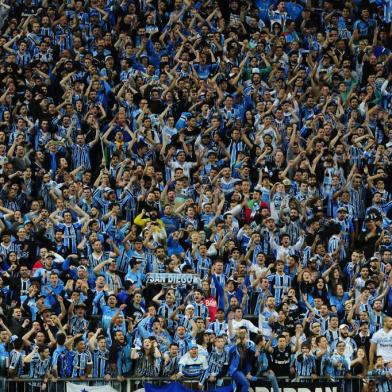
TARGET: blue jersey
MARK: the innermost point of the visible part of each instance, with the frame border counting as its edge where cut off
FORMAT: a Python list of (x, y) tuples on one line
[(107, 315), (16, 362), (100, 363), (123, 362), (279, 284), (383, 384), (264, 323), (71, 235), (365, 28), (201, 310), (39, 368), (146, 367), (193, 367), (202, 266), (337, 366), (218, 328), (217, 363), (77, 363), (59, 361), (4, 360), (305, 365), (183, 344), (166, 311)]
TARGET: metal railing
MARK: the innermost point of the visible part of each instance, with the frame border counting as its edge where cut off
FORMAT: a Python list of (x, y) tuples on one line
[(128, 384)]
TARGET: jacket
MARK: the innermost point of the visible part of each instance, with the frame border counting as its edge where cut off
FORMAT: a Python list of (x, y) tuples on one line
[(234, 358)]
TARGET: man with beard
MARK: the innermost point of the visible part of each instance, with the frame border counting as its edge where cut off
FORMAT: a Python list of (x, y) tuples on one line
[(293, 225), (152, 222), (120, 356), (350, 345), (157, 264)]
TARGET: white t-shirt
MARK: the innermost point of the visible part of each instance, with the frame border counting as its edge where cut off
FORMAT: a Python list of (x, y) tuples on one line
[(245, 323), (185, 166), (384, 344)]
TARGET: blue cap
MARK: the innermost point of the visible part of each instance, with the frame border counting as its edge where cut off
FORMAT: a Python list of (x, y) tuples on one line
[(192, 345)]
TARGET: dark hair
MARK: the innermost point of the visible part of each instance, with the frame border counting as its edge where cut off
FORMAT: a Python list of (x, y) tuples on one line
[(42, 348), (18, 344), (258, 339), (60, 338), (199, 338)]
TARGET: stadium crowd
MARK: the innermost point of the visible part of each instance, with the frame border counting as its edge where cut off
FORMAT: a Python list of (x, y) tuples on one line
[(248, 143)]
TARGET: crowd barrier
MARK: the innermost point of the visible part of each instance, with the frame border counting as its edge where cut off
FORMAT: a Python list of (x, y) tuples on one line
[(133, 384)]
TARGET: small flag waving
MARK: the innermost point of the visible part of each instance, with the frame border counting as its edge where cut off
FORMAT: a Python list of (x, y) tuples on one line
[(85, 388)]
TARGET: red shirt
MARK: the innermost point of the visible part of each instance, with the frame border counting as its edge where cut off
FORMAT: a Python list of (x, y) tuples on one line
[(212, 306), (38, 264)]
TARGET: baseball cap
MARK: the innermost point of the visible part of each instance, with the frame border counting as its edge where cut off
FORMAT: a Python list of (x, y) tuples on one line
[(128, 283), (45, 309)]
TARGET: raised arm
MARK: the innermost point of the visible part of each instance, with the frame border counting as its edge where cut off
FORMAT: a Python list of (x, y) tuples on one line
[(96, 138)]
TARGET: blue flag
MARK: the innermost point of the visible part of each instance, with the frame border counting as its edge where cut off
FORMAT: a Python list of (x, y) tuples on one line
[(177, 387)]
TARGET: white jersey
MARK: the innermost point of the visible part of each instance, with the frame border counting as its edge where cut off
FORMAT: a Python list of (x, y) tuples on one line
[(244, 323), (264, 324), (383, 340)]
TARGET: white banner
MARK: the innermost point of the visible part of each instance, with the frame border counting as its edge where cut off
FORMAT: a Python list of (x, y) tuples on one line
[(173, 279), (85, 388), (287, 388)]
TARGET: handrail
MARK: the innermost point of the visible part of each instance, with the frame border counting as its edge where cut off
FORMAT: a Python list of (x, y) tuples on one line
[(165, 379)]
